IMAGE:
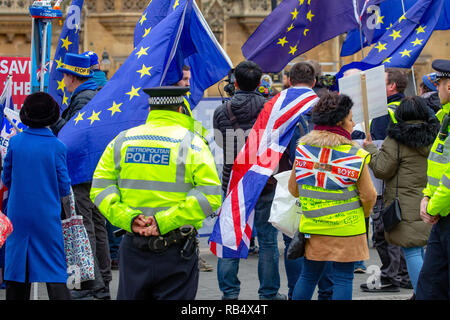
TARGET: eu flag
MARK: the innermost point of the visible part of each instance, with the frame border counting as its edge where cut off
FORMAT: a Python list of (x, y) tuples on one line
[(199, 50), (402, 43), (122, 103), (68, 42), (382, 17), (295, 27)]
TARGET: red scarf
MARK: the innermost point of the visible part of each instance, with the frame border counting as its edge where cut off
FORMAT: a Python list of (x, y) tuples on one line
[(334, 129)]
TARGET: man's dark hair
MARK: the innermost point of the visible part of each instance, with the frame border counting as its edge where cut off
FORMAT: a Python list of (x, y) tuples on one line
[(399, 78), (186, 68), (302, 72), (248, 75), (165, 108)]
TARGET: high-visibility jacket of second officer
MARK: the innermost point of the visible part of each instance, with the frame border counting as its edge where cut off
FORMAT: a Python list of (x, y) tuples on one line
[(161, 169)]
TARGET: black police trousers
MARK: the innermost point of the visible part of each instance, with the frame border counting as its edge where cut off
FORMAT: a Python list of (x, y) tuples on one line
[(146, 275)]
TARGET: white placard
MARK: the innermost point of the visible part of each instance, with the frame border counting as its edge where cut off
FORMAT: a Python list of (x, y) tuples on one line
[(376, 93)]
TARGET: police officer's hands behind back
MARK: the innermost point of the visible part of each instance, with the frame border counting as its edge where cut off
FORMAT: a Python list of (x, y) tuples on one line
[(145, 226)]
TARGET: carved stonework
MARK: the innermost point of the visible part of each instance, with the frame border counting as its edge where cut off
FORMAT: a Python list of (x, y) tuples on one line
[(134, 5), (215, 16), (91, 5), (109, 6)]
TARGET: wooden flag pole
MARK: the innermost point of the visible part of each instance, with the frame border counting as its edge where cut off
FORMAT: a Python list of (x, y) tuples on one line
[(365, 104)]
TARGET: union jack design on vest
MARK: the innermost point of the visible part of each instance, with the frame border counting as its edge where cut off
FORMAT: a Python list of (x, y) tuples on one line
[(326, 168)]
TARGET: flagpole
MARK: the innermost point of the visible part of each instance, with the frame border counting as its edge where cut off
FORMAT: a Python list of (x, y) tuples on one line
[(358, 16), (412, 67)]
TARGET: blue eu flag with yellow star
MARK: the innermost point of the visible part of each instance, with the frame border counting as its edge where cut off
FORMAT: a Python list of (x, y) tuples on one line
[(379, 18), (68, 42), (207, 60), (402, 43), (295, 27), (122, 103)]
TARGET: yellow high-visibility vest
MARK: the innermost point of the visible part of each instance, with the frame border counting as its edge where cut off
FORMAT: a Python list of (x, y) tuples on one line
[(328, 196), (161, 169), (438, 172)]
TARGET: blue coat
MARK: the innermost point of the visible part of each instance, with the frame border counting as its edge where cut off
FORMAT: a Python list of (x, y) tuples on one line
[(35, 172)]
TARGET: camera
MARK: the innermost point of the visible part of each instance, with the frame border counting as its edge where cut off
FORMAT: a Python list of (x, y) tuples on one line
[(229, 88)]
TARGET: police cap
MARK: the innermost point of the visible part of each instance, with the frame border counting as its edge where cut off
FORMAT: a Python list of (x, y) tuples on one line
[(442, 68), (166, 96)]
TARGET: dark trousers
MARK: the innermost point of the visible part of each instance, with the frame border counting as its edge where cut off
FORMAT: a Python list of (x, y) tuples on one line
[(21, 291), (434, 278), (95, 224), (393, 263), (145, 275)]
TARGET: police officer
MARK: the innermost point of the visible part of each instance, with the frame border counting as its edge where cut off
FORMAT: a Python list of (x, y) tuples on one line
[(158, 181), (434, 281)]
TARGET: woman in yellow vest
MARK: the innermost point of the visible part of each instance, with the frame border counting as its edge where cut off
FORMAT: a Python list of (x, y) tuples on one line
[(336, 194)]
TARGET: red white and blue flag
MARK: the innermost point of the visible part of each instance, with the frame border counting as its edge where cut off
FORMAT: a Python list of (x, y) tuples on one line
[(326, 168), (253, 166)]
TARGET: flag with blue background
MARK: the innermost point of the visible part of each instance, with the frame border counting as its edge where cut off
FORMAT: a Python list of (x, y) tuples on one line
[(68, 43), (402, 43), (295, 27), (156, 60), (377, 18), (207, 60)]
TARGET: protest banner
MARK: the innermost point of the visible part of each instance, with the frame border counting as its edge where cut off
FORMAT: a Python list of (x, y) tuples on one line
[(367, 90), (19, 68), (11, 124)]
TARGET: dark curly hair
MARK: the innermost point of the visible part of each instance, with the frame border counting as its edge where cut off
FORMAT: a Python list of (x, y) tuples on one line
[(331, 109)]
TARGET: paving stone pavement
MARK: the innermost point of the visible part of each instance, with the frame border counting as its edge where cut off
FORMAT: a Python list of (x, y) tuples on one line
[(208, 287)]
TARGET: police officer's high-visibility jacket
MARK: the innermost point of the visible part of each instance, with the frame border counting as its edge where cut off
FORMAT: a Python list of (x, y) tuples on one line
[(441, 113), (438, 172), (326, 178), (161, 169)]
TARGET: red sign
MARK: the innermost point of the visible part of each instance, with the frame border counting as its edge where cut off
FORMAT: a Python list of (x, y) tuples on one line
[(20, 70)]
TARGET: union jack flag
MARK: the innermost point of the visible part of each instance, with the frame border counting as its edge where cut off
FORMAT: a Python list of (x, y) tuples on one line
[(253, 166), (326, 168)]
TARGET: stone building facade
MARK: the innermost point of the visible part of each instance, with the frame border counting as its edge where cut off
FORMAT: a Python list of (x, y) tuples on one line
[(108, 25)]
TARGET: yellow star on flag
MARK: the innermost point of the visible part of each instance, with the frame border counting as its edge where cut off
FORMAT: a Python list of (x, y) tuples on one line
[(59, 62), (177, 3), (65, 99), (147, 31), (405, 53), (402, 18), (417, 42), (142, 51), (293, 49), (134, 92), (301, 1), (188, 94), (305, 31), (115, 108), (395, 34), (66, 43), (94, 116), (420, 29), (380, 19), (144, 71), (143, 18), (79, 117), (282, 41), (309, 15), (290, 27), (61, 85), (387, 60), (381, 46), (294, 14), (390, 26)]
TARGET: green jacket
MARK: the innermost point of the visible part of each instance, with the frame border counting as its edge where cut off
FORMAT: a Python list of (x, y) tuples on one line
[(161, 169)]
